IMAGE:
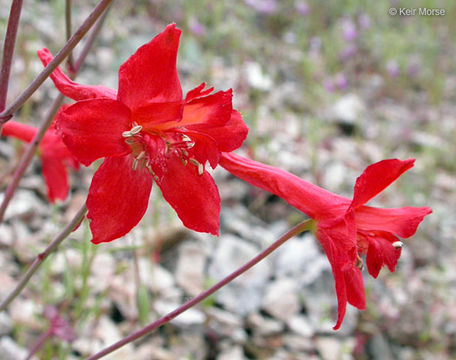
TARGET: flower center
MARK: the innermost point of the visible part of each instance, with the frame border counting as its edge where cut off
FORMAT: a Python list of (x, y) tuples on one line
[(162, 145)]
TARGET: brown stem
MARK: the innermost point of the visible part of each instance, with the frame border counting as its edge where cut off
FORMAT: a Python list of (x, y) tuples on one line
[(305, 225), (39, 343), (61, 55), (31, 149), (41, 257), (70, 61), (8, 50)]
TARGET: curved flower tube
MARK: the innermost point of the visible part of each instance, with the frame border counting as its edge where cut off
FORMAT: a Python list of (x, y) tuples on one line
[(346, 228), (147, 132)]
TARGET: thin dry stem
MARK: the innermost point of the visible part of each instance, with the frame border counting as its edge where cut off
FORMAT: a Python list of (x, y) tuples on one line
[(306, 225), (61, 55), (8, 50)]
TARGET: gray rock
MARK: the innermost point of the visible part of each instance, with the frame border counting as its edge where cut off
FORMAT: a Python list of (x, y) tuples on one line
[(25, 204), (232, 353), (244, 294), (348, 109), (281, 298), (329, 347), (5, 324), (263, 326), (189, 318), (301, 325), (190, 267), (226, 324), (9, 350)]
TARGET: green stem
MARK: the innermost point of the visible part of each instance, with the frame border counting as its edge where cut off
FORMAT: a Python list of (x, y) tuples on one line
[(304, 226)]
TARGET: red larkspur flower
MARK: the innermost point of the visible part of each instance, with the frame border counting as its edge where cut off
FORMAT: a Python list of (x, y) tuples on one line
[(55, 157), (146, 131), (346, 228)]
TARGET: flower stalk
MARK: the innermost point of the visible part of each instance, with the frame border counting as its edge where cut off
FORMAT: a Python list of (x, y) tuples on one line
[(296, 230), (8, 50)]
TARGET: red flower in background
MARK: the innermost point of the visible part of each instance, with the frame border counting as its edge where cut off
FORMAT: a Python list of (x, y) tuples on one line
[(346, 228), (55, 157), (146, 131)]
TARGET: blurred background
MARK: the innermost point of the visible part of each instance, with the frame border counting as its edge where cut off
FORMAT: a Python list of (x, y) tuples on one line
[(326, 89)]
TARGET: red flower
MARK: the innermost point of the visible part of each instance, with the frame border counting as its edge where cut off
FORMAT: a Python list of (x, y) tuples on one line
[(146, 131), (346, 228), (55, 157)]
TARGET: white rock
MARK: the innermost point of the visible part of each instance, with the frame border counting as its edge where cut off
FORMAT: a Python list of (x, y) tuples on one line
[(328, 347), (244, 294), (190, 268), (263, 326), (232, 353), (9, 350), (231, 253), (191, 317), (301, 326), (5, 324), (256, 77), (349, 109), (25, 203), (158, 278), (281, 298)]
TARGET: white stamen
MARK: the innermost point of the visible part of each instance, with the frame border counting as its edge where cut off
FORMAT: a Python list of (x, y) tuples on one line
[(141, 155), (397, 244), (135, 164), (127, 134), (136, 129), (200, 169)]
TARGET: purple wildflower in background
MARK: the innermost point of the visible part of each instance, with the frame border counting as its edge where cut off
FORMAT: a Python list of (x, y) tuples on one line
[(196, 27), (302, 8), (340, 81), (392, 67), (328, 84), (348, 52), (364, 21), (262, 6), (349, 32)]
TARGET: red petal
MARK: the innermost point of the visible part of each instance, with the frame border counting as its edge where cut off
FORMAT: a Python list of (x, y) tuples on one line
[(150, 75), (151, 115), (194, 197), (198, 92), (55, 176), (338, 239), (232, 134), (118, 198), (92, 129), (376, 178), (20, 131), (204, 113), (310, 199), (71, 89), (381, 252), (402, 222)]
